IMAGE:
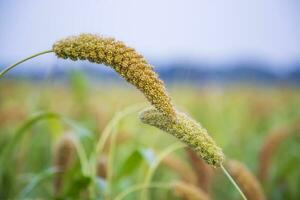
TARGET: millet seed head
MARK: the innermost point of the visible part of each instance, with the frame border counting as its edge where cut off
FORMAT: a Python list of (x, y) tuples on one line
[(188, 131), (124, 60)]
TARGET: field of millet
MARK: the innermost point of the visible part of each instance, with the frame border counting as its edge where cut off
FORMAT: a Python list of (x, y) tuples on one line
[(83, 140)]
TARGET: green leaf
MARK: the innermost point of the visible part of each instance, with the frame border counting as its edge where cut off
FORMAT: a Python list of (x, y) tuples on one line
[(21, 132), (36, 181), (78, 184), (131, 163)]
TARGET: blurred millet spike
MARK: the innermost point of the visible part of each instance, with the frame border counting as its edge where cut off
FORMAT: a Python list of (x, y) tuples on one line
[(203, 170), (188, 191), (64, 156), (188, 131), (183, 170), (246, 180), (102, 167), (269, 148), (124, 60)]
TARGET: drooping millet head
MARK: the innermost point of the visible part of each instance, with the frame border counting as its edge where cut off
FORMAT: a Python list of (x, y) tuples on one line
[(124, 60), (188, 131)]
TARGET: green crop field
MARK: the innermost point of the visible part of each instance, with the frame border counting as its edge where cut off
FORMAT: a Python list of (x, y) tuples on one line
[(84, 140)]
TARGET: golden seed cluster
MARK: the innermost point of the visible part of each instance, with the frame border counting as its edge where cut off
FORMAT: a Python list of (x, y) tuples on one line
[(135, 70), (124, 60), (188, 131), (246, 180)]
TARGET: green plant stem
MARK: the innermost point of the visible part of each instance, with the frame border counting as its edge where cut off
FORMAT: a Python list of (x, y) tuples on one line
[(111, 125), (111, 160), (4, 71), (135, 188), (160, 157), (82, 157), (233, 182), (109, 129)]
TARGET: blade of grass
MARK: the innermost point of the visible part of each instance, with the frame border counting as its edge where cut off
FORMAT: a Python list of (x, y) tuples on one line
[(21, 131), (83, 159), (36, 181), (12, 145)]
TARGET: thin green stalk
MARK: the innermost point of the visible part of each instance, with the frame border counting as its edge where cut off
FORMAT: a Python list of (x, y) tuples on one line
[(109, 128), (111, 160), (233, 182), (4, 71), (160, 157), (92, 164), (135, 188), (82, 157)]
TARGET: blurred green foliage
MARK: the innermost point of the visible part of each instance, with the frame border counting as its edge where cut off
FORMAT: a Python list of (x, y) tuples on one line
[(33, 118)]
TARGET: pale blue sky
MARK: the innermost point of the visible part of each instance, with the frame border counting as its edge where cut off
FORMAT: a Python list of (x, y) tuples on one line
[(205, 30)]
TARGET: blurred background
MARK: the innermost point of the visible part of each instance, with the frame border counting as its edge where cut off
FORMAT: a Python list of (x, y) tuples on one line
[(201, 39), (233, 65)]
